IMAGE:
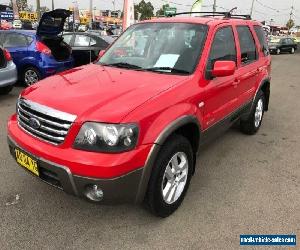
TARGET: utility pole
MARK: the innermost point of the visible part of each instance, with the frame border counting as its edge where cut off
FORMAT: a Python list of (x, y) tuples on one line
[(292, 12), (38, 9), (52, 4), (91, 13), (215, 6), (252, 8), (114, 4)]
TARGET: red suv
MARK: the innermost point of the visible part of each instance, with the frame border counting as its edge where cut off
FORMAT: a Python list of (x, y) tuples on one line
[(128, 128)]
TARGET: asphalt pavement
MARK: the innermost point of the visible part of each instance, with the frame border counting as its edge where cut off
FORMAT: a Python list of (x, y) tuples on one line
[(243, 185)]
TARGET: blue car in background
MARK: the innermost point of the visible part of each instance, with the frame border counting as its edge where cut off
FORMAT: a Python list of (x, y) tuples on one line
[(42, 53)]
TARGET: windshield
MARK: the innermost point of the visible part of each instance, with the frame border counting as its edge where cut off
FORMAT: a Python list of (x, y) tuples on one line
[(160, 47)]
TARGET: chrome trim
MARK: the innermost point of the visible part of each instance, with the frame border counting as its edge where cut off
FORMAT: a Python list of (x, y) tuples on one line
[(54, 125), (58, 139), (48, 111), (66, 126)]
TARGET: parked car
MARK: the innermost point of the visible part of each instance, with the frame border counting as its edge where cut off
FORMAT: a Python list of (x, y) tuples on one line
[(283, 45), (4, 25), (86, 46), (128, 128), (27, 25), (42, 53), (17, 24), (8, 72)]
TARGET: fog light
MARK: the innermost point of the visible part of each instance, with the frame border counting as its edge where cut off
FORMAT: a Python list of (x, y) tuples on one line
[(94, 193)]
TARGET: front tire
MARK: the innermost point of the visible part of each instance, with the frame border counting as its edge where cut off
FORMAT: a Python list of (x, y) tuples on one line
[(254, 121), (278, 51), (292, 51), (31, 75), (171, 176)]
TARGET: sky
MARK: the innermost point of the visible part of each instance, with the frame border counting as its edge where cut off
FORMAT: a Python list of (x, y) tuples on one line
[(279, 10)]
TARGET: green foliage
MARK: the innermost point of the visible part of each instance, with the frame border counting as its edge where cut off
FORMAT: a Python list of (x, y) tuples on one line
[(290, 24), (143, 10), (161, 11)]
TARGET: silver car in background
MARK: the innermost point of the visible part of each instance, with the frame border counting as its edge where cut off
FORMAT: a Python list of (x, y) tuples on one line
[(8, 72)]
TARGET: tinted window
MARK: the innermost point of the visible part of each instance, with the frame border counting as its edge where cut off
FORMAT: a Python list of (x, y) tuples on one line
[(15, 40), (223, 47), (284, 41), (261, 35), (82, 41), (247, 43), (291, 41), (67, 39)]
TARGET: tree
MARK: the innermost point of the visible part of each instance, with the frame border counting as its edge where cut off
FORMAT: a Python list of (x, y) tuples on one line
[(144, 10), (22, 5), (161, 11), (290, 24), (44, 9)]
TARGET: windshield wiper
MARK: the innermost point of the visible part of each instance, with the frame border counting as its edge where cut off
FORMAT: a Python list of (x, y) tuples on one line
[(163, 69), (123, 65)]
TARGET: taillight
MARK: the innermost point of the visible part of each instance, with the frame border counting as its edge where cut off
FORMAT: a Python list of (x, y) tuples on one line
[(40, 47), (7, 55)]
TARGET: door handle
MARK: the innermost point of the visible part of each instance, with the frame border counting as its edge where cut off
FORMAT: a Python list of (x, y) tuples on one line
[(236, 82)]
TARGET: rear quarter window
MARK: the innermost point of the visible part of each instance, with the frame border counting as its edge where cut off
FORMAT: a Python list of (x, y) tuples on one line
[(15, 40), (261, 35)]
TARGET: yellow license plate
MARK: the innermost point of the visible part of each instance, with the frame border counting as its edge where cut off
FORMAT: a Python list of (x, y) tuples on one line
[(27, 162)]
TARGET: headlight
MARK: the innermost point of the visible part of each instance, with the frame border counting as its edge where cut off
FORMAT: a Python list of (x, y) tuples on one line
[(111, 138)]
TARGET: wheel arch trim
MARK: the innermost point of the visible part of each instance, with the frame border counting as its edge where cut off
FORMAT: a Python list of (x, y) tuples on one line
[(147, 171)]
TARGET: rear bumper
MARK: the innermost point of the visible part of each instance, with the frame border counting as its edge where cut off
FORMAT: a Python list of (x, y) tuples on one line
[(123, 189), (49, 66), (8, 75)]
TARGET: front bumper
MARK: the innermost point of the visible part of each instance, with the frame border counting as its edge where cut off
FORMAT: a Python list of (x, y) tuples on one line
[(123, 189)]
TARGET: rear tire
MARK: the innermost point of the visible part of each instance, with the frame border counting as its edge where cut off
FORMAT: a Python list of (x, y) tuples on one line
[(171, 176), (30, 76), (254, 121), (6, 90)]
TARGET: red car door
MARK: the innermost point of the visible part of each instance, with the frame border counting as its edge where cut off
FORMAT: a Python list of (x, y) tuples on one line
[(248, 65), (220, 99)]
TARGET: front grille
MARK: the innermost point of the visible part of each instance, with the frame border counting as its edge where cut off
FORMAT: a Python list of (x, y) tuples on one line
[(45, 123)]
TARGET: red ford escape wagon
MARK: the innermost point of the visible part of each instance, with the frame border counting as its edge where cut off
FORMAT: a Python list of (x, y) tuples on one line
[(128, 128)]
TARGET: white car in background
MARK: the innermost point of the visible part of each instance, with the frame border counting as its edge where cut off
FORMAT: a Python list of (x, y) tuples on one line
[(82, 28), (17, 24)]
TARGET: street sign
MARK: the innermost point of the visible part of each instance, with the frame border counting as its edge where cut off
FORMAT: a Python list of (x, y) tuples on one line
[(7, 15), (170, 11)]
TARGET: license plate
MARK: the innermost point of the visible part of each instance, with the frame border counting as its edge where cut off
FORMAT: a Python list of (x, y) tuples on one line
[(27, 162)]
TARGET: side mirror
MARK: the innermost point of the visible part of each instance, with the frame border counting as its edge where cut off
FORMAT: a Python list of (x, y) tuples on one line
[(223, 68)]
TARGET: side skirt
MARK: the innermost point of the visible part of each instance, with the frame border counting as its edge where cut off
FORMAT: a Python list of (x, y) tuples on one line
[(220, 127)]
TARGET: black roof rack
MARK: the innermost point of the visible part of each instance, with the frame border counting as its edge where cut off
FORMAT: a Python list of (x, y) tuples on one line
[(214, 14)]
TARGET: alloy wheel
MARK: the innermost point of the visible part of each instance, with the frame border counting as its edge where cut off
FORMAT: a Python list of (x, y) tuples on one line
[(175, 178), (31, 77), (258, 113)]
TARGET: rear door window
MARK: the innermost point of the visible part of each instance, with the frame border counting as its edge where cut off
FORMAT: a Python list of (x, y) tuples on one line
[(223, 47), (261, 35), (12, 40), (247, 43)]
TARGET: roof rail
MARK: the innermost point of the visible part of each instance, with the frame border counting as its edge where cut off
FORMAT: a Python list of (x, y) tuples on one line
[(213, 14)]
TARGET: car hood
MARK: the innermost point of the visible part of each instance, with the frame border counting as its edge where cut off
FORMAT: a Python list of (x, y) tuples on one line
[(99, 93), (52, 23)]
